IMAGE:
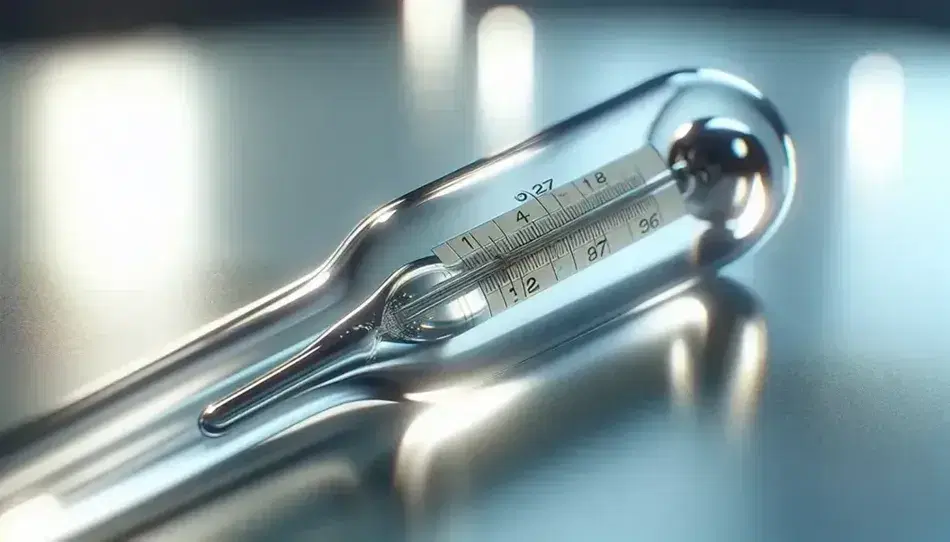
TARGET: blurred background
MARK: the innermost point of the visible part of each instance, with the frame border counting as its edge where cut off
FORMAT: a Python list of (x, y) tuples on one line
[(162, 163)]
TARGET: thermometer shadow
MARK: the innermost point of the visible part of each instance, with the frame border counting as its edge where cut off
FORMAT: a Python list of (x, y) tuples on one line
[(696, 359)]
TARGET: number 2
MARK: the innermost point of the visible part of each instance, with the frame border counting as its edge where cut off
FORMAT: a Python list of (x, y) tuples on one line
[(531, 284)]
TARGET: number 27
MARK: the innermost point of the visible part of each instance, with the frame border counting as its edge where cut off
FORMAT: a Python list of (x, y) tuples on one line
[(542, 187)]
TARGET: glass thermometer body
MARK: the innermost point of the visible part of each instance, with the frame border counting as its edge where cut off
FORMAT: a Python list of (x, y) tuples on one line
[(477, 270), (717, 171)]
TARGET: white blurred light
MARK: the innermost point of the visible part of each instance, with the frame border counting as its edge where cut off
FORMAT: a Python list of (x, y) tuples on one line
[(118, 156), (438, 395), (875, 119), (385, 216), (505, 52), (756, 207), (747, 383), (873, 171), (742, 191), (457, 412), (681, 373), (39, 519), (740, 147), (432, 42)]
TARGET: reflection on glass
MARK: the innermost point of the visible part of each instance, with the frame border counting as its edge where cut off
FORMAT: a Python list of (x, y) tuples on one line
[(673, 309), (485, 172), (456, 411), (753, 191), (704, 350), (116, 156), (505, 51), (692, 369)]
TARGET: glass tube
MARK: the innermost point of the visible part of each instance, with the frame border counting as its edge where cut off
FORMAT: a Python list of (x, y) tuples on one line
[(614, 208)]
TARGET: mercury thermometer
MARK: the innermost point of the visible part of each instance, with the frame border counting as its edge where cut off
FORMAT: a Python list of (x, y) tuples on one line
[(608, 211), (729, 174)]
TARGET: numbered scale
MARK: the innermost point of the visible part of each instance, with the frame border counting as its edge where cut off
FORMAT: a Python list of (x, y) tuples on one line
[(554, 216)]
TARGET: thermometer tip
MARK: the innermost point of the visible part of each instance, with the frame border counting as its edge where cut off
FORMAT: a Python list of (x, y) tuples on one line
[(210, 422)]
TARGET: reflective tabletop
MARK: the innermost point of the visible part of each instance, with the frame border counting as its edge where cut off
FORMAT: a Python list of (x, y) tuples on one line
[(254, 150)]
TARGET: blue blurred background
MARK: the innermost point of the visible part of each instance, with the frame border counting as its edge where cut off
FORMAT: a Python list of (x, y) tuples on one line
[(162, 163)]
